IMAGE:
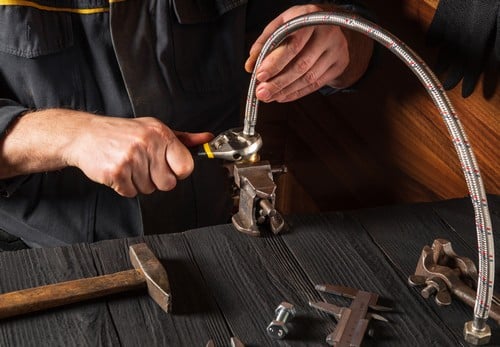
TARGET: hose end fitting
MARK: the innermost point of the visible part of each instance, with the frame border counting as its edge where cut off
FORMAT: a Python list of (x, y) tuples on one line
[(477, 334)]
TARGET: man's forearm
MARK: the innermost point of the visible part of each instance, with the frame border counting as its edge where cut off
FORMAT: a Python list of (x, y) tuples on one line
[(36, 142), (129, 155)]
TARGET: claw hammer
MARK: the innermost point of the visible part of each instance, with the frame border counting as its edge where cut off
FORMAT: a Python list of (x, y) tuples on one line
[(148, 272)]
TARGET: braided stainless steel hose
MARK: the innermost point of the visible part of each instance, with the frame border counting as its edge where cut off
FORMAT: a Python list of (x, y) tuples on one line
[(486, 254)]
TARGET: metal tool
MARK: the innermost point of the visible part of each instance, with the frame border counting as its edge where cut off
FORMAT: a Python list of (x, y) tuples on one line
[(353, 321), (443, 273), (257, 198), (148, 271), (253, 178), (277, 329), (232, 145), (235, 342)]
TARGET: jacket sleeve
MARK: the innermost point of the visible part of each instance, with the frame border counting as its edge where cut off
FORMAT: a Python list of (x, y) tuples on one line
[(9, 111)]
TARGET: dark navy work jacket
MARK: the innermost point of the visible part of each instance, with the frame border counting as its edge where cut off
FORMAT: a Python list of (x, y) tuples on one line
[(180, 61)]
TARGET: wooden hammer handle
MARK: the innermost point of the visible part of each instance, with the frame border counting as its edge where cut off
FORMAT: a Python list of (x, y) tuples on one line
[(53, 295)]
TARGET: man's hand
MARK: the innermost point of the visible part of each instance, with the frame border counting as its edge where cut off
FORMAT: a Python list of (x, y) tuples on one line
[(309, 58), (132, 156)]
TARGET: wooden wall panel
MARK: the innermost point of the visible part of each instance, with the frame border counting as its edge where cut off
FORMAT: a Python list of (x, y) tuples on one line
[(385, 143)]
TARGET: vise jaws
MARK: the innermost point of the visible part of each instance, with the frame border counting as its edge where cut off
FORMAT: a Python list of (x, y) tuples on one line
[(257, 198)]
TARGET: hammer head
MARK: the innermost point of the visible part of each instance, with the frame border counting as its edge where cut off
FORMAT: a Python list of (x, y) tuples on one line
[(143, 259)]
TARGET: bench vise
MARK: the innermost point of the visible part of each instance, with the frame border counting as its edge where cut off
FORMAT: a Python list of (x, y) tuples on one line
[(257, 197)]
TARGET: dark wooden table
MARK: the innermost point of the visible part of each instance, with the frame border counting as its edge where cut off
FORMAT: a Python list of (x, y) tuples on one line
[(228, 284)]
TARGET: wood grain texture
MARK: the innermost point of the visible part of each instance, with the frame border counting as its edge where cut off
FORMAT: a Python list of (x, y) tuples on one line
[(401, 232), (225, 283), (139, 321), (250, 277), (333, 248), (385, 143), (75, 325), (128, 319)]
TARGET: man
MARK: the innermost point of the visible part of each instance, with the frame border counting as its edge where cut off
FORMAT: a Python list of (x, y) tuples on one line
[(100, 101)]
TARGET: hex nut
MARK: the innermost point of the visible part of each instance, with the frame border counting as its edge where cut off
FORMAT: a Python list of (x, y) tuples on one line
[(476, 337), (277, 329), (287, 307)]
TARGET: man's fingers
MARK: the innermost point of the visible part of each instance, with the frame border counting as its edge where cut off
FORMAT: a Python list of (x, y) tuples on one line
[(298, 90), (140, 177), (160, 172), (142, 182), (173, 160), (326, 68), (311, 81), (193, 139), (304, 86), (127, 191), (271, 28), (121, 182), (260, 41), (315, 66), (131, 176), (302, 67), (289, 70), (179, 159), (178, 162), (276, 61)]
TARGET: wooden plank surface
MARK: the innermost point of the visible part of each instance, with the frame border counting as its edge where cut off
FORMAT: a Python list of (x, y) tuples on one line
[(321, 249), (129, 319), (250, 278), (417, 225), (356, 262), (139, 321), (74, 325), (333, 248), (225, 283)]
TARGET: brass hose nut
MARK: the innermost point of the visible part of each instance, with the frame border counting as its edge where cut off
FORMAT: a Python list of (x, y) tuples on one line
[(475, 336)]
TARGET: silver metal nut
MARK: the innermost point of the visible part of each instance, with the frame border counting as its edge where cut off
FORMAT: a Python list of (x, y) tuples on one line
[(475, 336), (287, 307), (277, 329)]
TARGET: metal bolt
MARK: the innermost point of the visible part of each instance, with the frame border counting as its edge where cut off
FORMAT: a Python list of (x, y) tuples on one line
[(267, 208), (429, 290), (283, 313)]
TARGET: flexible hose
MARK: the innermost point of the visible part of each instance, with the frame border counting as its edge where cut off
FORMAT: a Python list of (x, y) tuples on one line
[(434, 88)]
